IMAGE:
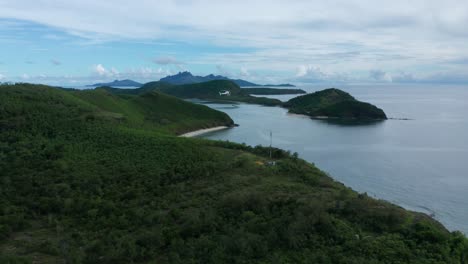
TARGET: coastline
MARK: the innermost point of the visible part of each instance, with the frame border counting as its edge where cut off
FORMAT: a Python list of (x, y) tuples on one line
[(203, 131)]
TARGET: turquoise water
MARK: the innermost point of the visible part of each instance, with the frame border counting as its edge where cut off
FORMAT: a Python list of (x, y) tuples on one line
[(420, 164)]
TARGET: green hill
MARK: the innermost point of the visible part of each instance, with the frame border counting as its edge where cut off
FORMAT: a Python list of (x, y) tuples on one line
[(94, 177), (333, 103), (153, 110)]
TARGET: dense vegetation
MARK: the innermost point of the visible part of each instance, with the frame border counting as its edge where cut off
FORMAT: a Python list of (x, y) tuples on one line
[(272, 91), (93, 177), (333, 103), (147, 87)]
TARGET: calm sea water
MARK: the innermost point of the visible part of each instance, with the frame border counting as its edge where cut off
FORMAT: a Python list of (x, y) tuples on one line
[(420, 164)]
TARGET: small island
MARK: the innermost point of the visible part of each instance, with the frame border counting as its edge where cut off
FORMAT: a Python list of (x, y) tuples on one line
[(334, 104)]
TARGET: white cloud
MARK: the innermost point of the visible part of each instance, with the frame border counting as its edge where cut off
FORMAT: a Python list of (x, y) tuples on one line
[(223, 70), (341, 36), (100, 70), (114, 72), (138, 74), (380, 76), (2, 76), (244, 72), (403, 77), (99, 74), (310, 74), (146, 73)]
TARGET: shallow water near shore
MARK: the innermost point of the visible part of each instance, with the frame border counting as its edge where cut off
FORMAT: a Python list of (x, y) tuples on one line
[(420, 164)]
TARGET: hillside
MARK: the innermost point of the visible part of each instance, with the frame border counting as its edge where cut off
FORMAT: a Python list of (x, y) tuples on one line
[(94, 177), (333, 103), (163, 113), (147, 87)]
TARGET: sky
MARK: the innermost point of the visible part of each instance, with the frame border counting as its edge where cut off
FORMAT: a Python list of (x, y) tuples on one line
[(265, 41)]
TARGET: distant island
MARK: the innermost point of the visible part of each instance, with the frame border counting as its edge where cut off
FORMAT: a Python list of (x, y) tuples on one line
[(187, 78), (333, 103), (118, 83)]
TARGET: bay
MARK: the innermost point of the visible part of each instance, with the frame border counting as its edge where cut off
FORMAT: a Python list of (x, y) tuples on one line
[(420, 164)]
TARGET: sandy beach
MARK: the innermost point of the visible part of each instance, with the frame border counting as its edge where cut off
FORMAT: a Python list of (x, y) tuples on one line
[(203, 131)]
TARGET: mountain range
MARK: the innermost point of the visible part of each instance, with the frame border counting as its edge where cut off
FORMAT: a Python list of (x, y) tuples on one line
[(187, 78)]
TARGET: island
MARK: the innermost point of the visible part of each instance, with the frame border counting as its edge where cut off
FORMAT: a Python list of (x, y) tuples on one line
[(89, 176), (334, 104), (118, 83)]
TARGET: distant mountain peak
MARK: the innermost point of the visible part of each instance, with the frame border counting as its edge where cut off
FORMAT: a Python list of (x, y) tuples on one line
[(184, 73)]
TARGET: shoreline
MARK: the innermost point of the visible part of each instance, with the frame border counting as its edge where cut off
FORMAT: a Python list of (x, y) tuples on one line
[(203, 131)]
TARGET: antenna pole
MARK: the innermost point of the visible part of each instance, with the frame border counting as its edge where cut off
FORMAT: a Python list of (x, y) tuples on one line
[(271, 141)]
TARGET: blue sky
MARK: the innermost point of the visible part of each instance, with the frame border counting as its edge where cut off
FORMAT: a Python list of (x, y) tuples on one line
[(355, 41)]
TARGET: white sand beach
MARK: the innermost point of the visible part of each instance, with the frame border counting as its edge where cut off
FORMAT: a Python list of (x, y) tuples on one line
[(203, 131)]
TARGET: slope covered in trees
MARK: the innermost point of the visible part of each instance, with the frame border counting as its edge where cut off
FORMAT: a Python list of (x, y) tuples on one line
[(92, 177)]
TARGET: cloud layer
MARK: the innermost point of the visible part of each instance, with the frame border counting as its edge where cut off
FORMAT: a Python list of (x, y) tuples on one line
[(303, 40)]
